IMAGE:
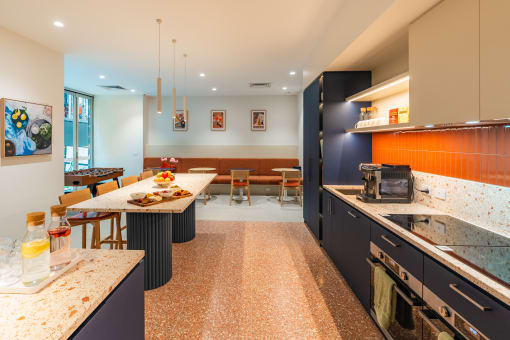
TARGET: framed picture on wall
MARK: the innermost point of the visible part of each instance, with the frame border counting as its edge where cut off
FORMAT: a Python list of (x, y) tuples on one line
[(180, 121), (218, 120), (26, 128), (258, 120)]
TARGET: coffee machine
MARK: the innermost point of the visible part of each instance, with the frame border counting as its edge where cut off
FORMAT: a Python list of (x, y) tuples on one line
[(386, 183)]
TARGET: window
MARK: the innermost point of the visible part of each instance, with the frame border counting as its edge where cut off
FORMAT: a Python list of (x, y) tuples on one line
[(78, 115)]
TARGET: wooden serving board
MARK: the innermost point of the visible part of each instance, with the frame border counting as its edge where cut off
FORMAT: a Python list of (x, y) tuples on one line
[(19, 288), (164, 200)]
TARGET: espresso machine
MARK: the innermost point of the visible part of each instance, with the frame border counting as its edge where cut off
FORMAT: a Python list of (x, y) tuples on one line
[(386, 183)]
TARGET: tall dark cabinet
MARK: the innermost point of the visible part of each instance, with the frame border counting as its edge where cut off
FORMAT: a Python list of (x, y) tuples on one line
[(331, 155)]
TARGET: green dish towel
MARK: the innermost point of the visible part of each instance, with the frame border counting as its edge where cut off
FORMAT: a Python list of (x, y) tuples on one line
[(384, 297), (444, 336)]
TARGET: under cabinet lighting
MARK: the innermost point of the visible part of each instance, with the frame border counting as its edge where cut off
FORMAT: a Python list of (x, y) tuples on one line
[(472, 122), (379, 89), (429, 126)]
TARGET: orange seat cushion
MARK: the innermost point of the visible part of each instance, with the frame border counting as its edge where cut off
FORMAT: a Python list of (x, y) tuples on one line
[(240, 184), (291, 184)]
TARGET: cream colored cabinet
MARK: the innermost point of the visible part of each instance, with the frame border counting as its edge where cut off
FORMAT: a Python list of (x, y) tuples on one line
[(494, 59), (444, 64)]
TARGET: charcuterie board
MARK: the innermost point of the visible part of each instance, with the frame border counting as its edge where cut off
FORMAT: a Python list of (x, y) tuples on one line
[(164, 200)]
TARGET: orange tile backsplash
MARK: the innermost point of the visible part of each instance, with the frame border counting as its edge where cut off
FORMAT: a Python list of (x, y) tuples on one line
[(479, 153)]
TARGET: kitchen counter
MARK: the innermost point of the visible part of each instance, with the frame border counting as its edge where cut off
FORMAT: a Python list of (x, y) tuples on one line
[(61, 307), (375, 210), (116, 201)]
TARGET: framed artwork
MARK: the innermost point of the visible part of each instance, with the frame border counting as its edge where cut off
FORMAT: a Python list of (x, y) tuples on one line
[(258, 120), (180, 122), (218, 120), (26, 128)]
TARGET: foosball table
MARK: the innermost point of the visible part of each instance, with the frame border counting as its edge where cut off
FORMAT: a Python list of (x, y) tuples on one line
[(91, 177)]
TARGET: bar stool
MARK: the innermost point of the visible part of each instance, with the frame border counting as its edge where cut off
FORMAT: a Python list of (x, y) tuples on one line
[(84, 218), (104, 189), (240, 179), (146, 174), (291, 179), (207, 191), (129, 180)]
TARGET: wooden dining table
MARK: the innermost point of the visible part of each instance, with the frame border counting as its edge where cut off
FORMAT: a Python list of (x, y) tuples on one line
[(153, 228)]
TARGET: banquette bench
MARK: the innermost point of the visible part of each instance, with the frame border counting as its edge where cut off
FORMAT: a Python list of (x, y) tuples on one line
[(262, 167)]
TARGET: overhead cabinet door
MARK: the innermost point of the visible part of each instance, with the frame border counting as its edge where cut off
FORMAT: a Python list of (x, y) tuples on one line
[(494, 58), (444, 64)]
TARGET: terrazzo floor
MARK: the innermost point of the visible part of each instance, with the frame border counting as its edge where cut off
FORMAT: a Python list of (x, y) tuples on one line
[(254, 280)]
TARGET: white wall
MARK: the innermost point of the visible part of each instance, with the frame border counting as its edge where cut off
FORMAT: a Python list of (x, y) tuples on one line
[(279, 140), (118, 133), (34, 73)]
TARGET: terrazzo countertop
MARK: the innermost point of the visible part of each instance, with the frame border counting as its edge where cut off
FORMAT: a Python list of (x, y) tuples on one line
[(61, 307), (116, 201), (375, 210)]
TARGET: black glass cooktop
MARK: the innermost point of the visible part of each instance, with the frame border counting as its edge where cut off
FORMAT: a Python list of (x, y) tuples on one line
[(478, 247)]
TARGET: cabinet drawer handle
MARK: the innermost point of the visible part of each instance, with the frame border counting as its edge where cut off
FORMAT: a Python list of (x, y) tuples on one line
[(352, 215), (393, 244), (455, 288)]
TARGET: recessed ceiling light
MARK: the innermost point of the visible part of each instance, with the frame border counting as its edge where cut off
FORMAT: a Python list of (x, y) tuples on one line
[(472, 122), (214, 89), (132, 90), (284, 88), (58, 24), (101, 76), (292, 73), (202, 75)]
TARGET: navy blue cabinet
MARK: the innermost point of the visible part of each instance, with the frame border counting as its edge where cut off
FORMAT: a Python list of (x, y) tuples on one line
[(346, 239), (311, 158), (467, 302), (326, 116), (121, 315)]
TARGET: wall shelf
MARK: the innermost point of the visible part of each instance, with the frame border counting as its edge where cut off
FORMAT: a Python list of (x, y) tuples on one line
[(409, 126), (385, 89)]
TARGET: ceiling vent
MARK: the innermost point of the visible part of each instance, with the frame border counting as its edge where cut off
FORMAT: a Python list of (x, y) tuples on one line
[(112, 87), (260, 85)]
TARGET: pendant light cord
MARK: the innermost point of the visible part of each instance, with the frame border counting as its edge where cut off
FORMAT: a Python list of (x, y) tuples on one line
[(159, 47), (185, 72), (174, 41)]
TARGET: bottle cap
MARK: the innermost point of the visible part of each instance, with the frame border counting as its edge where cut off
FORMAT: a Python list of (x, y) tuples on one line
[(35, 218), (58, 210)]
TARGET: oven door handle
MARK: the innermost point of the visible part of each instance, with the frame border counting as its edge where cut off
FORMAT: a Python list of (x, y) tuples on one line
[(397, 290), (455, 288), (428, 321)]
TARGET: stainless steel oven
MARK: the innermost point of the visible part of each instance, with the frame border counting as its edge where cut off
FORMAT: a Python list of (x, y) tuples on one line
[(414, 319)]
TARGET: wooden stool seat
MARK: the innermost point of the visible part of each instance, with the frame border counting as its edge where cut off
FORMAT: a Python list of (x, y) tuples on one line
[(240, 179), (291, 179)]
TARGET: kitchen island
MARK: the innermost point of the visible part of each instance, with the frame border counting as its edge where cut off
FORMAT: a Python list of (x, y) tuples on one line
[(153, 228), (102, 295)]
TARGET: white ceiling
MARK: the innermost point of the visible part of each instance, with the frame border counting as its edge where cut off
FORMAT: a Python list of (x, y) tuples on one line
[(234, 42)]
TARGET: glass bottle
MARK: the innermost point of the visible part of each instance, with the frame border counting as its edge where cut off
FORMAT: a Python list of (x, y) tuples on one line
[(60, 237), (35, 251)]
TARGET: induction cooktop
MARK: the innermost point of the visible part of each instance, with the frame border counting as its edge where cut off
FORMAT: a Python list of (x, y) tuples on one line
[(480, 248)]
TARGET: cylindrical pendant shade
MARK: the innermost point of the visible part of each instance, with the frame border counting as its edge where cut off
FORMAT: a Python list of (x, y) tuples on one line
[(185, 107), (174, 97), (159, 96)]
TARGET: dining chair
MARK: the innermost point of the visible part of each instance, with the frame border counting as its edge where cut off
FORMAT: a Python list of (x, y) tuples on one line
[(207, 190), (84, 218), (240, 179), (104, 189), (129, 180), (291, 179), (146, 174)]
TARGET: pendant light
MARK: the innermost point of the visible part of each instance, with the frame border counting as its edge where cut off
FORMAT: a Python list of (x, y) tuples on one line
[(184, 99), (174, 91), (159, 109)]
